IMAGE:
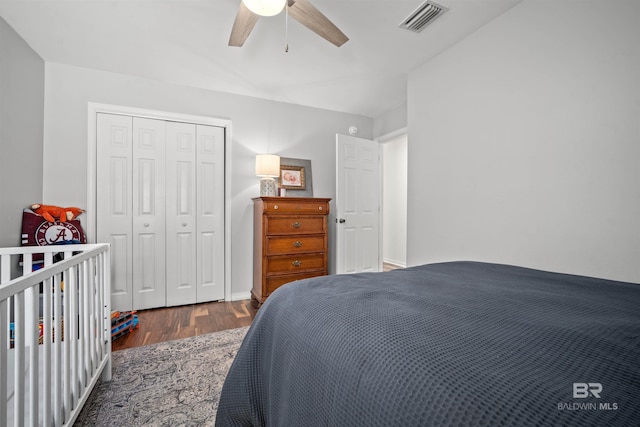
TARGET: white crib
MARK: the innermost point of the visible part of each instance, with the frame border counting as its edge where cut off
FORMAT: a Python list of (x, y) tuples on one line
[(55, 332)]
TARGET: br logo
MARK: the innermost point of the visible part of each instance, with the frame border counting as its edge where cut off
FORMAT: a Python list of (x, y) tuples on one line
[(50, 233), (584, 390)]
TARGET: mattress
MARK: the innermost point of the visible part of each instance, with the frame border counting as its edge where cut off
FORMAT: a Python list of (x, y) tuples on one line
[(447, 344)]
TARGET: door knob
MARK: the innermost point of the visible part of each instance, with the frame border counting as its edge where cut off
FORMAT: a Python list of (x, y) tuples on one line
[(341, 220)]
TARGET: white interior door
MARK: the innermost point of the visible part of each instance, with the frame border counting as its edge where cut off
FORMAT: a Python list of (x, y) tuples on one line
[(210, 220), (114, 212), (181, 213), (130, 208), (148, 213), (357, 205)]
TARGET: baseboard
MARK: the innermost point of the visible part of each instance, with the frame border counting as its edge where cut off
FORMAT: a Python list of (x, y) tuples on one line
[(238, 296)]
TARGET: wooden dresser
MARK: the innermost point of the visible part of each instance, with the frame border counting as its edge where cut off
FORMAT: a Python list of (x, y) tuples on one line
[(290, 241)]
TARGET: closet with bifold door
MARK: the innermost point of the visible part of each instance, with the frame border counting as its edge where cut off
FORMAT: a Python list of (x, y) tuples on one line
[(160, 204)]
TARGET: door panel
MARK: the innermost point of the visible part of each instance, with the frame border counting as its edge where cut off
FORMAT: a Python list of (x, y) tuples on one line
[(185, 273), (148, 287), (120, 278), (210, 213), (148, 213), (357, 205), (181, 262), (348, 253), (114, 212), (369, 248), (119, 187)]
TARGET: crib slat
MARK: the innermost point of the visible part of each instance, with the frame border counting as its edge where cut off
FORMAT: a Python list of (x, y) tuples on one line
[(87, 326), (96, 316), (66, 348), (4, 349), (5, 276), (74, 384), (99, 318), (104, 280), (31, 341), (32, 311), (81, 325), (57, 352), (47, 305), (92, 309), (18, 346), (97, 310)]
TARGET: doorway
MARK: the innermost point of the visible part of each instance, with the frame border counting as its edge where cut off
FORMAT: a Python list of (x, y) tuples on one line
[(371, 203), (394, 199)]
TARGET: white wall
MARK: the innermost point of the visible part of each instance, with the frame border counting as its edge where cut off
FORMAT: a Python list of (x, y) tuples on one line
[(394, 200), (390, 121), (257, 125), (525, 142), (21, 128)]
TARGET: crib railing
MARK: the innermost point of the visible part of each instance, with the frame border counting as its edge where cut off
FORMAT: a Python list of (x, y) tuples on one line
[(55, 331)]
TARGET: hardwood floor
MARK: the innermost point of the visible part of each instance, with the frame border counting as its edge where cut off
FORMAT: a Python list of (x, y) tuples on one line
[(170, 323), (387, 266)]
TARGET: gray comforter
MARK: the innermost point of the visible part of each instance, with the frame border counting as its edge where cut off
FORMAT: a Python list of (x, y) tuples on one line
[(455, 344)]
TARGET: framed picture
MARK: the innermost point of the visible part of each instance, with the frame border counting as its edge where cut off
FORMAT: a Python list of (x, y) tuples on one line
[(292, 177), (295, 177)]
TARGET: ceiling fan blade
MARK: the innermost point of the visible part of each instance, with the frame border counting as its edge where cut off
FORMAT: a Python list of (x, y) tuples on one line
[(242, 26), (306, 14)]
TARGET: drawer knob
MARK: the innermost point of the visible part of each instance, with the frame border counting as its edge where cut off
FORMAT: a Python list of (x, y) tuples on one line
[(296, 263), (319, 208), (296, 224), (297, 243), (275, 207)]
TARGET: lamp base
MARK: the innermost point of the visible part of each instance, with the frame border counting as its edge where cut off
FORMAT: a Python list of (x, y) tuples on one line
[(268, 187)]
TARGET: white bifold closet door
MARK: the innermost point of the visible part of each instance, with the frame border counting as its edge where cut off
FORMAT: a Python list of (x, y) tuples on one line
[(194, 212), (160, 198)]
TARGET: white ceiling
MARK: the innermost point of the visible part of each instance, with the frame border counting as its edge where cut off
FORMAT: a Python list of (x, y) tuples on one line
[(185, 42)]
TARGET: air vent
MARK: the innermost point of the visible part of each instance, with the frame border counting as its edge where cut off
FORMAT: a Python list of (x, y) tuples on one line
[(423, 16)]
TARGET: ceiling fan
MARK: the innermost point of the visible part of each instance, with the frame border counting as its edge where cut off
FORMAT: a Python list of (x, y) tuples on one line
[(300, 10)]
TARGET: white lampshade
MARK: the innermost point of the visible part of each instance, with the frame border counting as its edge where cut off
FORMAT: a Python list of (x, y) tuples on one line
[(265, 7), (268, 165)]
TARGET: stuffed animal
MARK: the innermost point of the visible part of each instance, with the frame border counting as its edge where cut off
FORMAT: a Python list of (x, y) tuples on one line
[(51, 213)]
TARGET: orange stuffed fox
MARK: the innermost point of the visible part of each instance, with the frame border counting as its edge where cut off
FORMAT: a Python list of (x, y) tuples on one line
[(51, 213)]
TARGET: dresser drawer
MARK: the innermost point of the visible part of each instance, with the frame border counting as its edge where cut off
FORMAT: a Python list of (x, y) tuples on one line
[(296, 207), (295, 224), (275, 282), (291, 263), (277, 245)]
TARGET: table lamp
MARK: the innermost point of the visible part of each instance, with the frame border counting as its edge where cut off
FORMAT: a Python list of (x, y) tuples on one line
[(268, 168)]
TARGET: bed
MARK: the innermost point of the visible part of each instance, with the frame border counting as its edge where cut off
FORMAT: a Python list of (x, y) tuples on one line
[(455, 343)]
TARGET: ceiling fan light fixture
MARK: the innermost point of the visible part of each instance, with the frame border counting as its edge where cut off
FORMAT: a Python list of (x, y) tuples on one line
[(265, 7)]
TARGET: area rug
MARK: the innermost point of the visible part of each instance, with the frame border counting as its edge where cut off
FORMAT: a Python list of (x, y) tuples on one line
[(167, 384)]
